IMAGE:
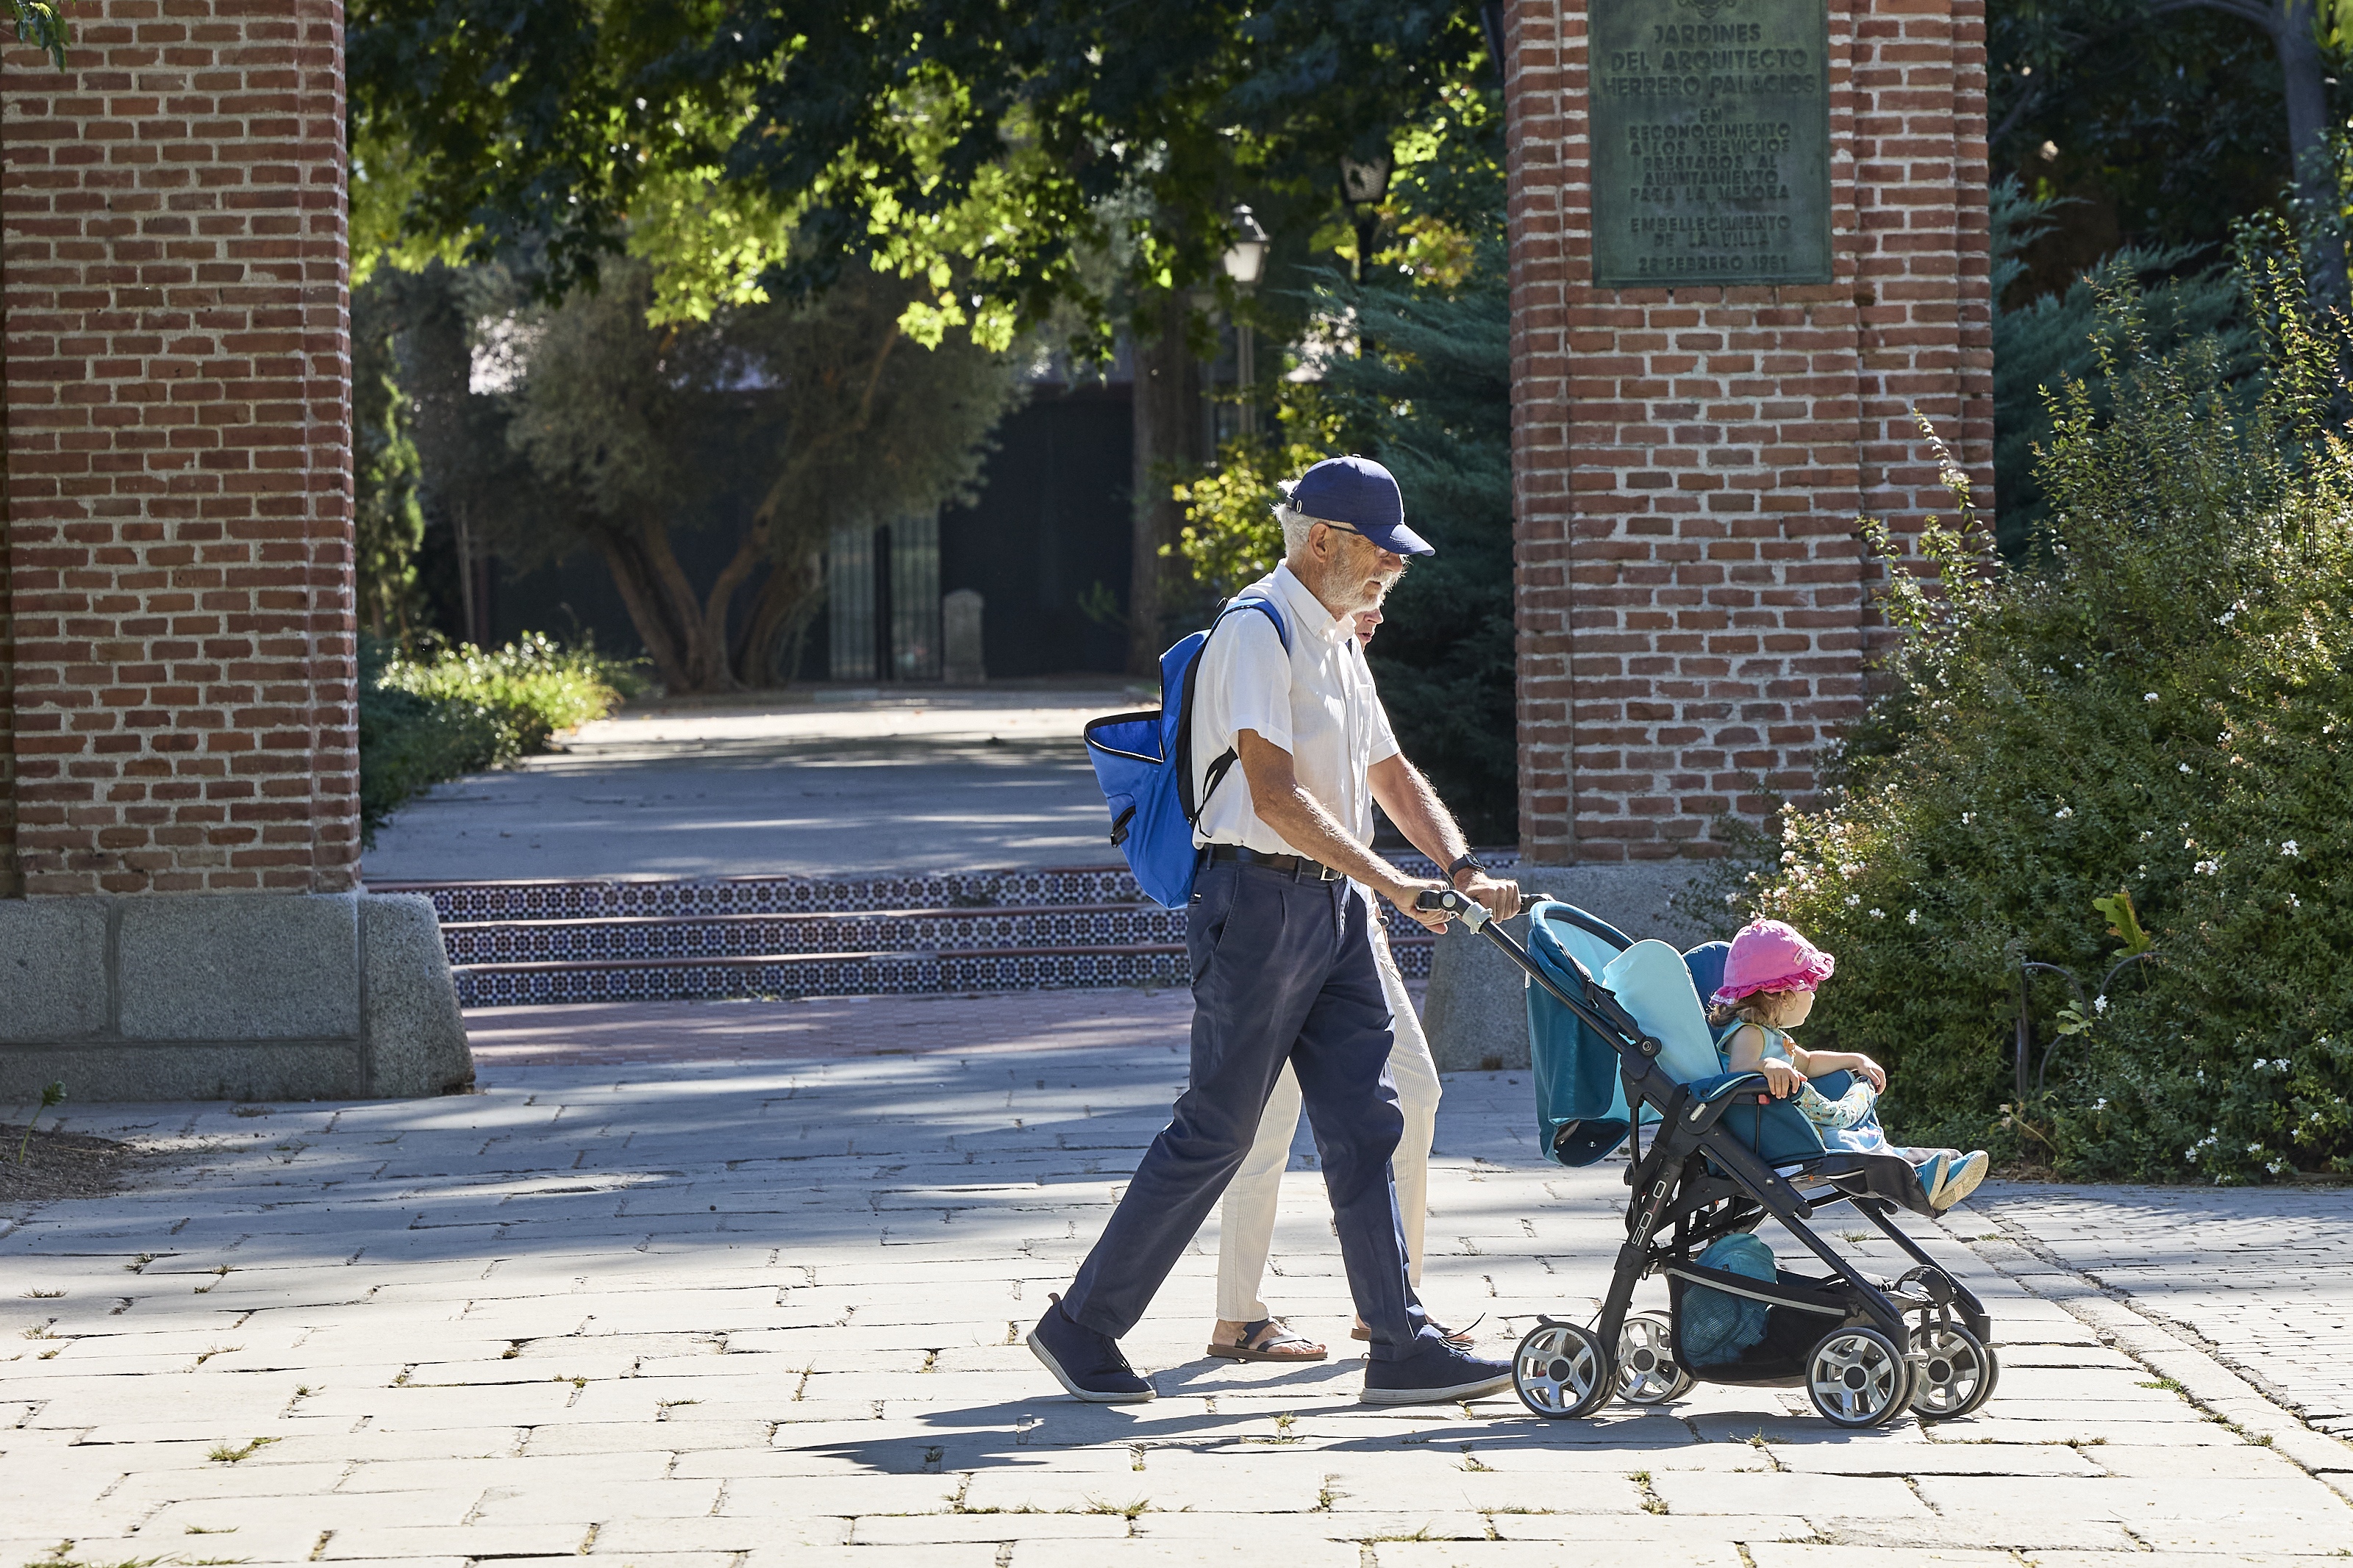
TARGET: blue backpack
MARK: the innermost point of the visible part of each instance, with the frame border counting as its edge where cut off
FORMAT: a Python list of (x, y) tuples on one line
[(1144, 763)]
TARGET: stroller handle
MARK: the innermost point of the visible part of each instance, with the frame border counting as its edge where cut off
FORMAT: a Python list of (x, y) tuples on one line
[(1470, 911), (1598, 1008)]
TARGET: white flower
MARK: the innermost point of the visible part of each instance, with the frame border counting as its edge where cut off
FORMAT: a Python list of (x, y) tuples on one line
[(2148, 697), (2289, 849), (2294, 902), (1853, 900), (1879, 914), (1733, 897), (2185, 767), (2100, 1104), (2099, 1003), (2254, 1148), (2226, 617), (1912, 919), (2207, 867), (1967, 818), (2063, 813)]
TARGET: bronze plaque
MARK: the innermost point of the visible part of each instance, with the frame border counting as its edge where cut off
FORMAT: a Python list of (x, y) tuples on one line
[(1711, 142)]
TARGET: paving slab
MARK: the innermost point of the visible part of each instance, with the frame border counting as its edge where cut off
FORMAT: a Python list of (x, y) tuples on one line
[(801, 783), (693, 1306)]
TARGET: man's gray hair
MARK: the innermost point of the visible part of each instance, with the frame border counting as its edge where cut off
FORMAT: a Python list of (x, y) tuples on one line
[(1295, 524)]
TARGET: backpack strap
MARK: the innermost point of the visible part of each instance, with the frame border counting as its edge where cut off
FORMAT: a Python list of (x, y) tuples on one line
[(1224, 764)]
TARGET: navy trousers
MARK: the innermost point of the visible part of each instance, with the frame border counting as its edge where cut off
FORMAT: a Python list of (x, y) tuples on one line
[(1283, 971)]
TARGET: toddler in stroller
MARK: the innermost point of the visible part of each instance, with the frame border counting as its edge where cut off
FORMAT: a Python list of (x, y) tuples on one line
[(1620, 1041), (1771, 974)]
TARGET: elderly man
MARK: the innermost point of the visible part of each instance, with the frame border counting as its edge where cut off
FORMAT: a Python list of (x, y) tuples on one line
[(1245, 1330), (1281, 948)]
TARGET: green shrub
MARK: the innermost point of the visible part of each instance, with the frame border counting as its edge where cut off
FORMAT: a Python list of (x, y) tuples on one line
[(2162, 705), (463, 709)]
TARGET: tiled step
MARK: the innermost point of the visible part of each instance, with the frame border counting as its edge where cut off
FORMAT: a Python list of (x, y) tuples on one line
[(819, 975), (661, 937), (641, 938)]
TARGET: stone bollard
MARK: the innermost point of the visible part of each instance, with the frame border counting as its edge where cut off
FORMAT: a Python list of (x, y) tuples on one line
[(960, 636)]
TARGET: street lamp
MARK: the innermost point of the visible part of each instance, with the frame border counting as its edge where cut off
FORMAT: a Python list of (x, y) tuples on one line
[(1363, 182), (1245, 261)]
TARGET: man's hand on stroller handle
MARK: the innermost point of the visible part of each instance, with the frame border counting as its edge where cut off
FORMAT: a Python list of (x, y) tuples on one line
[(1425, 901)]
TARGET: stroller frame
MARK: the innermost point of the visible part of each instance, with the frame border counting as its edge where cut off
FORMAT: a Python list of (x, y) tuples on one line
[(1698, 1183)]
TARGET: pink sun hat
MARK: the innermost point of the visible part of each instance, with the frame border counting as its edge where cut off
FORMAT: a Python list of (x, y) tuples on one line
[(1769, 955)]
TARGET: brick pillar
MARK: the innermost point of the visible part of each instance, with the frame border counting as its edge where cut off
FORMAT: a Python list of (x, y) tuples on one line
[(1690, 461), (183, 777), (178, 453)]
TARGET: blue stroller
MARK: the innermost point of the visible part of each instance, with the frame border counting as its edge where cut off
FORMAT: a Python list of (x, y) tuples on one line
[(1620, 1043)]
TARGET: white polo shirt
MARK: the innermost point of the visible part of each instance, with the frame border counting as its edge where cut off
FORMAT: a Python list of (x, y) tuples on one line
[(1317, 703)]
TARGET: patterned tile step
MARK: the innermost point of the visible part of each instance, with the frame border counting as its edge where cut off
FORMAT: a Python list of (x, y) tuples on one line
[(880, 931), (819, 974), (595, 897), (631, 939), (609, 897), (872, 974)]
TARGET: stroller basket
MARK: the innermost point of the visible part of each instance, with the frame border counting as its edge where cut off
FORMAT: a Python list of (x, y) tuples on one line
[(1620, 1044)]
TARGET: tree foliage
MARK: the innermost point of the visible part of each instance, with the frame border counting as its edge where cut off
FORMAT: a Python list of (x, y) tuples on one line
[(1412, 367), (43, 24), (2052, 340), (388, 522), (609, 432), (987, 151), (2155, 706)]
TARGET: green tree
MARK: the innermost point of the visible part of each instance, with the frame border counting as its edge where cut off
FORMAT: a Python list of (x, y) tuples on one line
[(1009, 158), (2053, 341), (388, 523), (2172, 119), (1427, 393), (627, 425)]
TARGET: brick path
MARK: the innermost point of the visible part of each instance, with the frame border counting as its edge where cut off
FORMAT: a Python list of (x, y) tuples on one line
[(763, 1310)]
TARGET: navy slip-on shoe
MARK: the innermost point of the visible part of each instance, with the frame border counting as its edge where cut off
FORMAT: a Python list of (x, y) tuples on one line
[(1087, 1363), (1436, 1373)]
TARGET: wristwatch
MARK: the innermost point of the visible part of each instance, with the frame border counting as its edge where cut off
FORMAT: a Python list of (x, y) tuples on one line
[(1465, 863)]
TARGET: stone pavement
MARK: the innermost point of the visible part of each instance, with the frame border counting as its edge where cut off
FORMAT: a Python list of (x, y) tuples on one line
[(765, 1310), (2260, 1277), (803, 784)]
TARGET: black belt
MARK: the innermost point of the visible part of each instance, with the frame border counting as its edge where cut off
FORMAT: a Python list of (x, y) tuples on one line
[(1296, 867)]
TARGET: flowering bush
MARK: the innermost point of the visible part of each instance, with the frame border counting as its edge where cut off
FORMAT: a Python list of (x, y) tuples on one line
[(2159, 705)]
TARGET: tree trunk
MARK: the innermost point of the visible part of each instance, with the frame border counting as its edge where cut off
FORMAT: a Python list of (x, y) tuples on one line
[(2302, 71), (703, 645), (786, 601), (649, 607), (1167, 423)]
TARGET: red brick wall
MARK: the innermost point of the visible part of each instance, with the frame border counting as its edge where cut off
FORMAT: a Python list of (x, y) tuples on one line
[(178, 452), (1690, 462)]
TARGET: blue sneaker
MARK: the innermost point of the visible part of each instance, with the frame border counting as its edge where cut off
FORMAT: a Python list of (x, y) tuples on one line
[(1436, 1373), (1087, 1363)]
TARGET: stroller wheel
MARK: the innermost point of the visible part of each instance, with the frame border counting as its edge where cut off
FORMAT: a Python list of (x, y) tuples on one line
[(1647, 1372), (1857, 1377), (1561, 1370), (1953, 1371)]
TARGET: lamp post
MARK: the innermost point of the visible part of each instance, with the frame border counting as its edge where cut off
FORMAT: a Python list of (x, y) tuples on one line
[(1363, 184), (1245, 260)]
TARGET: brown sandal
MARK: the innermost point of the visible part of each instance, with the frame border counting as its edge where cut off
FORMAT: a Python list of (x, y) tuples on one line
[(1280, 1345)]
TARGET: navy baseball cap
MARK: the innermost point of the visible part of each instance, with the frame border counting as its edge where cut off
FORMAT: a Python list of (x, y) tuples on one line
[(1357, 493)]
